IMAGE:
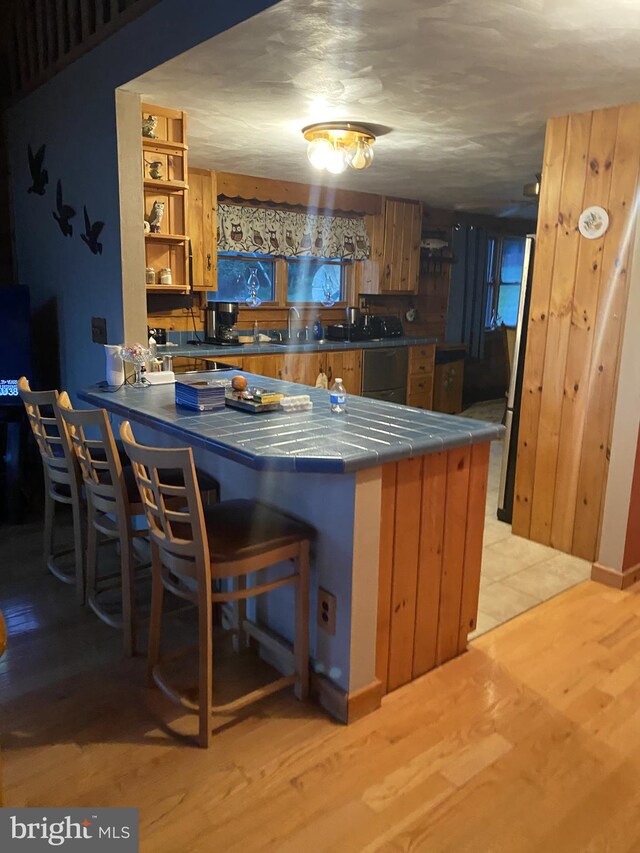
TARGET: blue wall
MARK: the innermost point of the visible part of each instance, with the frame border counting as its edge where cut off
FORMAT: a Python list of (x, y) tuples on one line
[(74, 115)]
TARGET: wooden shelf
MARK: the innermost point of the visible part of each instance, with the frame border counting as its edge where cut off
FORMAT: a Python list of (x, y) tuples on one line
[(167, 288), (168, 186), (166, 238), (147, 142)]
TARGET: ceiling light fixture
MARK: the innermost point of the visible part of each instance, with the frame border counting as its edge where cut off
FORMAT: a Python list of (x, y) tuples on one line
[(335, 145)]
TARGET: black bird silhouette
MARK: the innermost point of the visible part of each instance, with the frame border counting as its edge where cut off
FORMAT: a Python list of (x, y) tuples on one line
[(39, 176), (91, 233), (64, 214)]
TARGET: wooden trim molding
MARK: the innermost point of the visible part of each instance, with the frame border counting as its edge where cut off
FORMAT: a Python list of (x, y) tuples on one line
[(613, 578), (309, 196), (346, 707)]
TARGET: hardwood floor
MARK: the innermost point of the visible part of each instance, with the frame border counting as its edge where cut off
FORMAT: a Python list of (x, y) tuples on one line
[(529, 742)]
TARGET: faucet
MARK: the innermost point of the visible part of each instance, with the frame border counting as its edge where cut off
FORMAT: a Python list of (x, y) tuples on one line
[(292, 308)]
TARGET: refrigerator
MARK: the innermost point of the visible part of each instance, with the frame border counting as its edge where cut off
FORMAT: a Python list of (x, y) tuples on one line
[(514, 394)]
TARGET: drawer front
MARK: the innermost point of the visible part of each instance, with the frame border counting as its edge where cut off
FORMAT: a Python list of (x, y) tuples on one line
[(420, 391), (422, 359)]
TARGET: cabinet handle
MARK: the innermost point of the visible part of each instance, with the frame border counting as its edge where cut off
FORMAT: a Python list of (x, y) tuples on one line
[(209, 262)]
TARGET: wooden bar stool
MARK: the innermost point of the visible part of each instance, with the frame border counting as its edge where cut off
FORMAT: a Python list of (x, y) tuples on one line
[(194, 547), (113, 502), (62, 479)]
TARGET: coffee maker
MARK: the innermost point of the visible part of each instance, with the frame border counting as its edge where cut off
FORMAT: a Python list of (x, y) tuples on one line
[(221, 317)]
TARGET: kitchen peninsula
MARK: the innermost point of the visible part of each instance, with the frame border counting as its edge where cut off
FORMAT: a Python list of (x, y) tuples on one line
[(397, 496)]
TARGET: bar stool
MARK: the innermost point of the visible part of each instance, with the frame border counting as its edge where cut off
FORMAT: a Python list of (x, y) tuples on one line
[(192, 547), (62, 479), (113, 502)]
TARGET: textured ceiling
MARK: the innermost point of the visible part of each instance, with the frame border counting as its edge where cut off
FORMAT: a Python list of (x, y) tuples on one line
[(464, 85)]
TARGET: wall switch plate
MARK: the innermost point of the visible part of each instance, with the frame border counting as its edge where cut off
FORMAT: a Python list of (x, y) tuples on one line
[(99, 330), (327, 611)]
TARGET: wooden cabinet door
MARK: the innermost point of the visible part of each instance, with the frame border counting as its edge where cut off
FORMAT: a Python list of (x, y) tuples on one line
[(303, 367), (203, 220), (401, 253), (347, 365), (265, 365)]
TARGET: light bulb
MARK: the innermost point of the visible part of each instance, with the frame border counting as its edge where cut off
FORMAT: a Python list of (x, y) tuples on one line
[(360, 154), (318, 152), (336, 161)]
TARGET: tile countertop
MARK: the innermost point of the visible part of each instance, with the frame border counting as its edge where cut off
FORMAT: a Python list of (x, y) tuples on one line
[(370, 433), (220, 352)]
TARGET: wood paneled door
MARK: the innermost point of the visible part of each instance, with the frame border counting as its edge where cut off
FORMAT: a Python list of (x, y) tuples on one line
[(578, 302)]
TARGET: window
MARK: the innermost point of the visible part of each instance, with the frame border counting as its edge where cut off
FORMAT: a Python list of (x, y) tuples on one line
[(505, 257), (315, 280), (233, 277)]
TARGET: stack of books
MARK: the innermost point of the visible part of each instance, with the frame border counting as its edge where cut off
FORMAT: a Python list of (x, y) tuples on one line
[(200, 395)]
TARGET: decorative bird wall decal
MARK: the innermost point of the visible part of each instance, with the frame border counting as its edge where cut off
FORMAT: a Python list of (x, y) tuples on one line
[(91, 233), (39, 176), (64, 214)]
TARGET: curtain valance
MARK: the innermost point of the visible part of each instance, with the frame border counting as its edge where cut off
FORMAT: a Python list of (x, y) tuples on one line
[(242, 228)]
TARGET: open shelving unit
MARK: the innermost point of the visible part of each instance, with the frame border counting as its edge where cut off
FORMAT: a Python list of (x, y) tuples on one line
[(167, 154)]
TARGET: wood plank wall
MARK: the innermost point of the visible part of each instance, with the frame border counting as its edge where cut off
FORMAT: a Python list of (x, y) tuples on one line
[(432, 524), (578, 302), (41, 37)]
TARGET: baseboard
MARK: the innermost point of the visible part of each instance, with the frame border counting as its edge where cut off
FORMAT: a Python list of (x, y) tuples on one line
[(346, 707), (613, 578)]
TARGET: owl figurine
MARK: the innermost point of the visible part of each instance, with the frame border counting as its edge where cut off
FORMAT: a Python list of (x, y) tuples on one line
[(155, 217), (149, 125)]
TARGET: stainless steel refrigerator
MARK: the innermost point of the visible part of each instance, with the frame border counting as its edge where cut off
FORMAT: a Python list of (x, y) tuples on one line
[(514, 397)]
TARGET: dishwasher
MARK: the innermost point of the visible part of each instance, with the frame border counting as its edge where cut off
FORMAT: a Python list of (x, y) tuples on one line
[(384, 374)]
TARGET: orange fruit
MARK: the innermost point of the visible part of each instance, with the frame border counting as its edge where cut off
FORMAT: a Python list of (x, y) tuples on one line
[(238, 383)]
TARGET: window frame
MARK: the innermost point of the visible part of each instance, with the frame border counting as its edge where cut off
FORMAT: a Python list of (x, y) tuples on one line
[(239, 256), (281, 279), (494, 278), (345, 267)]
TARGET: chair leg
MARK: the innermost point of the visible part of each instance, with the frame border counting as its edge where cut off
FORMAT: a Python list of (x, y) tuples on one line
[(92, 554), (301, 650), (240, 641), (49, 510), (128, 589), (205, 664), (78, 549), (155, 617)]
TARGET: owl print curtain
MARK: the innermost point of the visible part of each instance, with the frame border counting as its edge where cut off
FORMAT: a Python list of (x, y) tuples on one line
[(290, 234)]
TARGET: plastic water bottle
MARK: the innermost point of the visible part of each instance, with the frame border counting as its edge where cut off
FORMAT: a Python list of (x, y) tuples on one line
[(338, 397)]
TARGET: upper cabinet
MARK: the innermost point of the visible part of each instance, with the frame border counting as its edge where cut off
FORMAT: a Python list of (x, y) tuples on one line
[(203, 221), (394, 265), (164, 165)]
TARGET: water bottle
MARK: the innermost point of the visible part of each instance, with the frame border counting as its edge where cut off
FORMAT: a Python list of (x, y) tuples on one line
[(318, 332), (338, 397)]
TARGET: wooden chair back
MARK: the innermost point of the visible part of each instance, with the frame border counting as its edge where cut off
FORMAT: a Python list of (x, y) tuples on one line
[(58, 458), (173, 512), (98, 457)]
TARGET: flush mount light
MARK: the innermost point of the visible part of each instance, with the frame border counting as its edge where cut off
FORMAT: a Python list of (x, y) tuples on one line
[(336, 145)]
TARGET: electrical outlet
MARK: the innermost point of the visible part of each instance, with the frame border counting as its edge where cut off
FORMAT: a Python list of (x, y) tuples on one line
[(327, 611), (98, 330)]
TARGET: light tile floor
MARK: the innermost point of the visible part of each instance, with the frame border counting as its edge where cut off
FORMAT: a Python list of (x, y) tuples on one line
[(517, 574)]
